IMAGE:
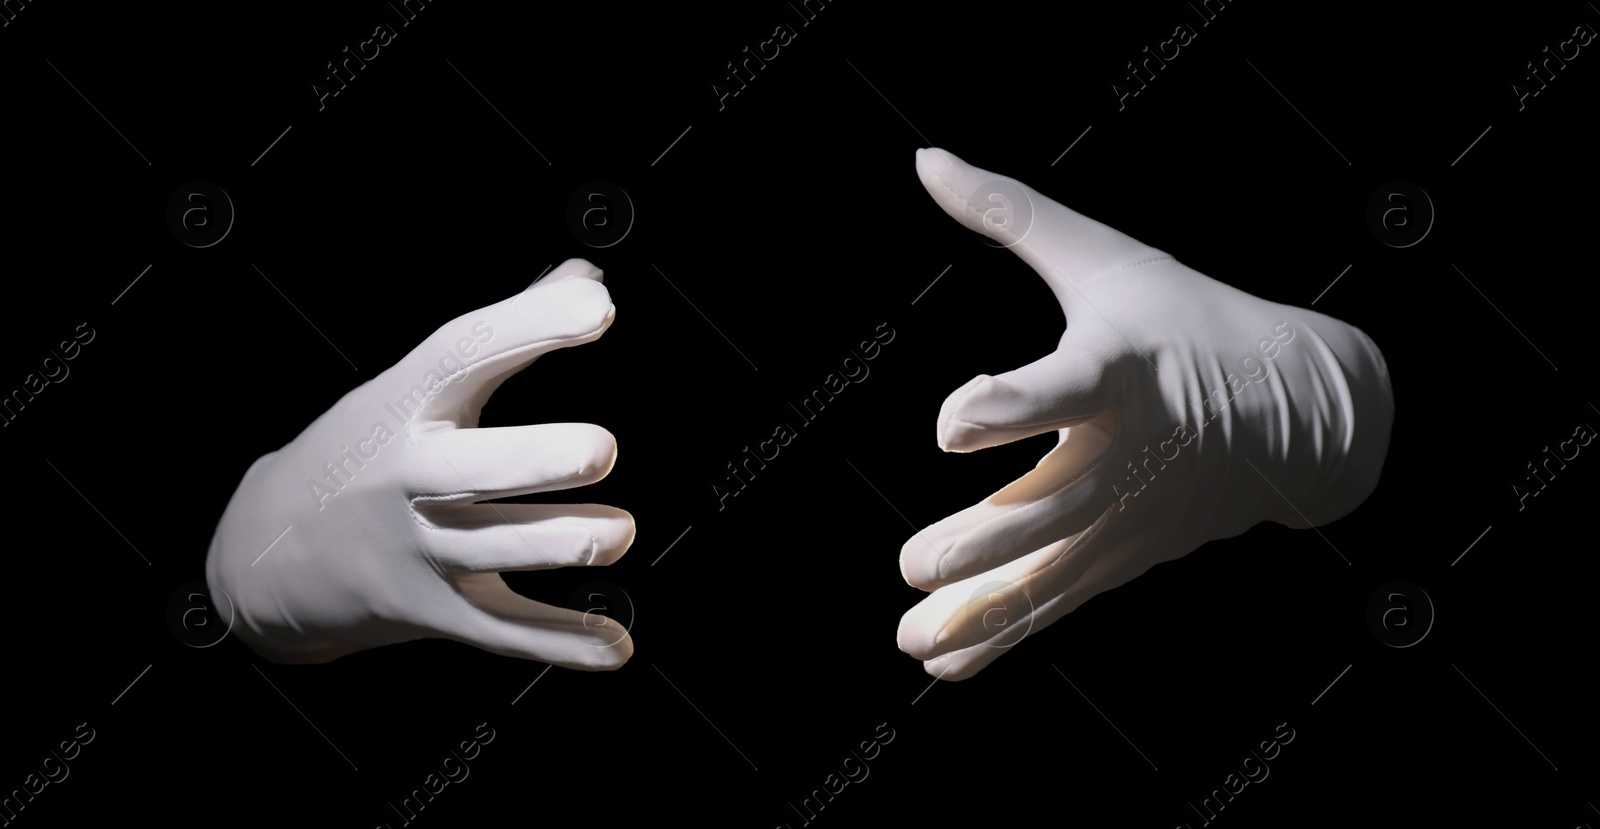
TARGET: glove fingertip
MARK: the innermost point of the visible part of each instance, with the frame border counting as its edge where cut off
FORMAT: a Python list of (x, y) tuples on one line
[(575, 268)]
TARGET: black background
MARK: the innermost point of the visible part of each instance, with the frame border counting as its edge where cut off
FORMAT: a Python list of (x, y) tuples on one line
[(793, 221)]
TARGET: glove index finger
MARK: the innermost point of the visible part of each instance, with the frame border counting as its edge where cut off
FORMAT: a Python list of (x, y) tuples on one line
[(448, 379)]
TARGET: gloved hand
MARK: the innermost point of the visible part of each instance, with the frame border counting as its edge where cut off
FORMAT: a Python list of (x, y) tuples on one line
[(363, 530), (1187, 411)]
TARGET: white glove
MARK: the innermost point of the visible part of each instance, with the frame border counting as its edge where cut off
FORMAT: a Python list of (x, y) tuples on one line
[(1187, 411), (362, 531)]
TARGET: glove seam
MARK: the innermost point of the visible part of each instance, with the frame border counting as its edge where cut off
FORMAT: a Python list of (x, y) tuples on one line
[(1165, 257)]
